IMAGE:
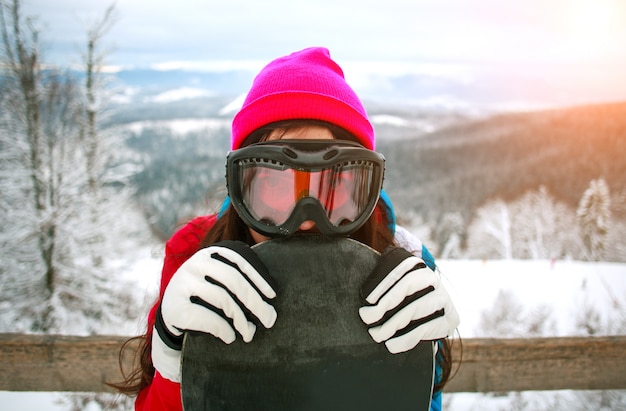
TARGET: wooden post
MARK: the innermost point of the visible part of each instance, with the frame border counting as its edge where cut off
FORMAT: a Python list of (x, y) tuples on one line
[(60, 363), (70, 363), (577, 363)]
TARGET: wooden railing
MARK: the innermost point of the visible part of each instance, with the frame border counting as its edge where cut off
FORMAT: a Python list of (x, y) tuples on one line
[(69, 363)]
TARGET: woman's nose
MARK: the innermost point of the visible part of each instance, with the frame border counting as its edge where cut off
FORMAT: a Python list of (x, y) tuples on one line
[(306, 225)]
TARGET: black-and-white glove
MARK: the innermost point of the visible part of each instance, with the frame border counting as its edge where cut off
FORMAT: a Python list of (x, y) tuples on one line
[(405, 302), (221, 290)]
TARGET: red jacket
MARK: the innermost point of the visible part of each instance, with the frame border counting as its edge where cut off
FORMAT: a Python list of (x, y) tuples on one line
[(164, 394)]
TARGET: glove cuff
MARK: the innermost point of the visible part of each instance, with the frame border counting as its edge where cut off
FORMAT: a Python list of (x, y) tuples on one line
[(166, 360), (175, 342)]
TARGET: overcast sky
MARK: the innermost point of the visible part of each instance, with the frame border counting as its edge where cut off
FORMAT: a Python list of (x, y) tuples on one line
[(151, 32)]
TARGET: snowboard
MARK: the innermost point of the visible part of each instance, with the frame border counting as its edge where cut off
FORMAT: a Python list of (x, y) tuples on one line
[(319, 355)]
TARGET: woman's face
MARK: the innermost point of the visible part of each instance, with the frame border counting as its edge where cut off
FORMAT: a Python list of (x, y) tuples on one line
[(300, 133)]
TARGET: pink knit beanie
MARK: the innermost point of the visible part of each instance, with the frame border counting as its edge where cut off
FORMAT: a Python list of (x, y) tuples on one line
[(306, 84)]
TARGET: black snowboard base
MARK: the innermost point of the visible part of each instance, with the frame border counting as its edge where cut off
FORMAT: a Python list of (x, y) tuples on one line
[(318, 356)]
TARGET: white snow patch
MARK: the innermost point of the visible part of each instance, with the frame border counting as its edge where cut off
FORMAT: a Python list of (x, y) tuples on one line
[(422, 125), (389, 120), (233, 106), (180, 127), (23, 400), (178, 94)]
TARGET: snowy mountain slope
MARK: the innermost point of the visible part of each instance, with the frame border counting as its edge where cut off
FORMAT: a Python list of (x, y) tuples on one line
[(457, 168)]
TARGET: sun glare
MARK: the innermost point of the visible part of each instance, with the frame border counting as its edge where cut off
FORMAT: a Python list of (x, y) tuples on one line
[(595, 27), (589, 15)]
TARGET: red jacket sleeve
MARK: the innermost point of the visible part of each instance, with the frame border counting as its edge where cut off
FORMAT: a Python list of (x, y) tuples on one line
[(163, 394), (182, 245)]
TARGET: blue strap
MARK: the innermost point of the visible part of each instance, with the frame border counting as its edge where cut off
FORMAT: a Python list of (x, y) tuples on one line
[(391, 214), (428, 258), (224, 207), (435, 402)]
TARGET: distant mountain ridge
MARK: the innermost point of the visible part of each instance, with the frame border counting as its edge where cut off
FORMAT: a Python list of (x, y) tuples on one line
[(227, 82), (484, 88), (458, 168)]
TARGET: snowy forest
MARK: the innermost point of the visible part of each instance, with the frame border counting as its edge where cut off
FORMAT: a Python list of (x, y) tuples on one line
[(65, 210), (92, 178)]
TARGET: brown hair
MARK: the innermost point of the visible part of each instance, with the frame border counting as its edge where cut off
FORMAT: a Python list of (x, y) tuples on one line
[(376, 233)]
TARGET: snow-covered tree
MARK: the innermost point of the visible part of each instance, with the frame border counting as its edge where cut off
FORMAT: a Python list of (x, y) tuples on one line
[(56, 230), (535, 226), (450, 233), (594, 213), (508, 318), (95, 100), (543, 228), (489, 234)]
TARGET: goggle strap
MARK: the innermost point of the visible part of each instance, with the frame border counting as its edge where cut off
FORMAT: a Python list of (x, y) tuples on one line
[(301, 181)]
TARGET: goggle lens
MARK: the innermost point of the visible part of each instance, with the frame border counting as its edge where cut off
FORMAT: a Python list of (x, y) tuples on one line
[(275, 186), (272, 191)]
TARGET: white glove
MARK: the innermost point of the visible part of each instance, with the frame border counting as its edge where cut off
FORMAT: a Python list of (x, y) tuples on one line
[(405, 302), (220, 290)]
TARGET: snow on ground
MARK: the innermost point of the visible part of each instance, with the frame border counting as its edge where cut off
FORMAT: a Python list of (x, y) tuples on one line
[(563, 288), (144, 276), (23, 401)]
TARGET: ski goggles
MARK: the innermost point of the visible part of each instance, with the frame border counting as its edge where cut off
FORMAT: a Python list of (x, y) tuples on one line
[(277, 185)]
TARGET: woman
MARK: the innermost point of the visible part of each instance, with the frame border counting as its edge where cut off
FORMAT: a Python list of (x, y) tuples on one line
[(294, 99)]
